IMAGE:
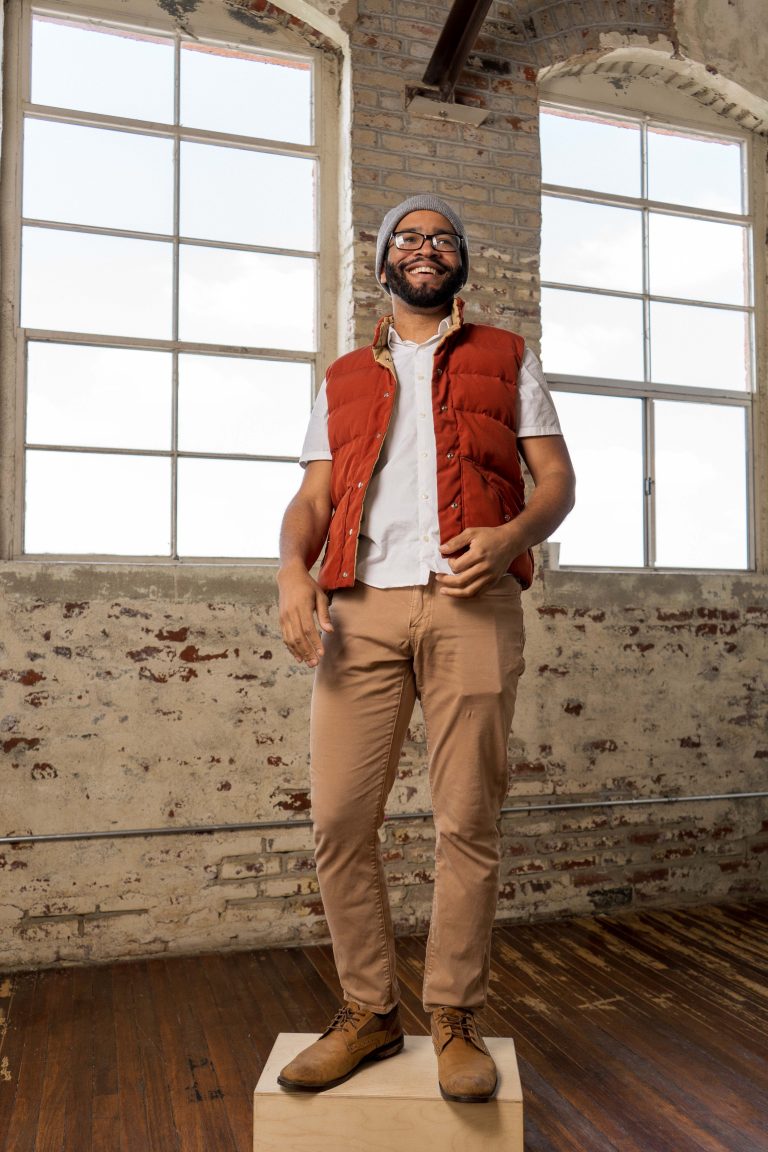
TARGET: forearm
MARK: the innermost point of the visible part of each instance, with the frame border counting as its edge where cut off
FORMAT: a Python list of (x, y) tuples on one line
[(303, 604), (302, 533), (550, 502)]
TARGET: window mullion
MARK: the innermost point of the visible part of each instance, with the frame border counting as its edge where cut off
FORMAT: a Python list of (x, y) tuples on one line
[(175, 321), (649, 484)]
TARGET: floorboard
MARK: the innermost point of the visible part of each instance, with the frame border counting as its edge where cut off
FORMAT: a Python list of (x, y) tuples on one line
[(636, 1032)]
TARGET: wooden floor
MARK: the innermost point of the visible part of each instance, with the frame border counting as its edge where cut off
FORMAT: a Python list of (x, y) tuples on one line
[(642, 1032)]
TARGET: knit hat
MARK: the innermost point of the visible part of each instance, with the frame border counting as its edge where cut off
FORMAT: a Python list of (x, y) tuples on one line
[(425, 203)]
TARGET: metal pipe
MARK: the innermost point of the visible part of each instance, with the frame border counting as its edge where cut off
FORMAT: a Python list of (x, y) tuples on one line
[(266, 825)]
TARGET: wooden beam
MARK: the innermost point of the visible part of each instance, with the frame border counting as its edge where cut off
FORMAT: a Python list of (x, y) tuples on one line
[(455, 43)]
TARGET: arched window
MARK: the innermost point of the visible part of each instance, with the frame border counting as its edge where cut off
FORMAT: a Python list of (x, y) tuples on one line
[(167, 281), (648, 319)]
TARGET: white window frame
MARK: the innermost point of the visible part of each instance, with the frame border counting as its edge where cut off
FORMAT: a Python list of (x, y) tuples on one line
[(142, 15), (647, 391)]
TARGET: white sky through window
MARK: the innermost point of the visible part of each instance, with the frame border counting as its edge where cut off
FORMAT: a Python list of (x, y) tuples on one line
[(642, 297), (98, 261)]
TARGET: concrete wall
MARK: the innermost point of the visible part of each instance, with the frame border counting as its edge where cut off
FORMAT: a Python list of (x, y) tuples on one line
[(158, 698)]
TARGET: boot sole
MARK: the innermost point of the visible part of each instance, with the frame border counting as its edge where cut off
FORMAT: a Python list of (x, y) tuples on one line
[(382, 1053)]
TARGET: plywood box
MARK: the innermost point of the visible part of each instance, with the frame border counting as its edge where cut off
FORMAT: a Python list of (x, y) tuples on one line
[(388, 1105)]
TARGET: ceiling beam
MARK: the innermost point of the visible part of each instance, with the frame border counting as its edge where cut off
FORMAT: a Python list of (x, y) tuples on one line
[(455, 44)]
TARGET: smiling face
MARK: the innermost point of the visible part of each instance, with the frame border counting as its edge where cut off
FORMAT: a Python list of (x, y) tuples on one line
[(424, 278)]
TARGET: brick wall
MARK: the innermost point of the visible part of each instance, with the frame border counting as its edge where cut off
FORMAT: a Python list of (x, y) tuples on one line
[(137, 699)]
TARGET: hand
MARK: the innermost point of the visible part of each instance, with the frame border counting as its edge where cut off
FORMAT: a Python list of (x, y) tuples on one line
[(489, 552), (301, 601)]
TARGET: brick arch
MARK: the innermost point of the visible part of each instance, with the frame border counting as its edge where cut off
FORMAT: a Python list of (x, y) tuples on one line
[(555, 30), (699, 82), (617, 39), (262, 16)]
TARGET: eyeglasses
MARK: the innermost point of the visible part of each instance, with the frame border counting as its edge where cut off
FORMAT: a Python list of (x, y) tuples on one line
[(440, 241)]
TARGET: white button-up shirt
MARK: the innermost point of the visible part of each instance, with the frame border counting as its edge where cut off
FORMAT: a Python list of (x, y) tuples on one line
[(399, 542)]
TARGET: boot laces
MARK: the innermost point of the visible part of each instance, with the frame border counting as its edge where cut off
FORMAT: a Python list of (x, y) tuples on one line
[(461, 1025), (347, 1015)]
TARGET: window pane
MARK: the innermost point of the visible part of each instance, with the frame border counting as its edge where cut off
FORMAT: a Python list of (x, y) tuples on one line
[(246, 95), (247, 298), (89, 502), (274, 206), (91, 176), (699, 172), (701, 486), (604, 437), (258, 407), (98, 397), (73, 282), (589, 335), (233, 507), (698, 259), (699, 347), (580, 153), (95, 70), (592, 245)]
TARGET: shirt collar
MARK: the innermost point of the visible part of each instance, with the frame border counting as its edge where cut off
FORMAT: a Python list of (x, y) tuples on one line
[(393, 338)]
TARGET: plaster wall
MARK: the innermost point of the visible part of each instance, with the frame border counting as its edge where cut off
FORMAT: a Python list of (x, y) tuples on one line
[(729, 37), (161, 698)]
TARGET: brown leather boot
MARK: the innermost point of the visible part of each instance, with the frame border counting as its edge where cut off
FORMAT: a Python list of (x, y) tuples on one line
[(354, 1036), (465, 1068)]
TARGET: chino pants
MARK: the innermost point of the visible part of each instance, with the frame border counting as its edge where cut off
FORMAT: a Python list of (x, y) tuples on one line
[(462, 658)]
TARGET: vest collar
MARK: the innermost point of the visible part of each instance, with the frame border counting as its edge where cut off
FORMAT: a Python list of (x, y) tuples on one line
[(381, 335)]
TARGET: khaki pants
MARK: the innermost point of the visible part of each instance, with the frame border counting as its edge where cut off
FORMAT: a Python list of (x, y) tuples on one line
[(462, 658)]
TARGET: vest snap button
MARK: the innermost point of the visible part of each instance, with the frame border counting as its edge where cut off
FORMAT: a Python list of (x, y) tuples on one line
[(507, 517), (449, 455), (443, 407), (386, 394), (454, 505), (359, 483), (345, 573)]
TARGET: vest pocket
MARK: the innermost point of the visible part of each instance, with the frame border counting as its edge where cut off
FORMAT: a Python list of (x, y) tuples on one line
[(488, 499)]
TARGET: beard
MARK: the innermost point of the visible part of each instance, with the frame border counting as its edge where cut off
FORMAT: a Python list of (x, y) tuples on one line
[(423, 295)]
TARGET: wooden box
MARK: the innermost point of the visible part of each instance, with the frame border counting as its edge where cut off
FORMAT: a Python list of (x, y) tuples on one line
[(388, 1106)]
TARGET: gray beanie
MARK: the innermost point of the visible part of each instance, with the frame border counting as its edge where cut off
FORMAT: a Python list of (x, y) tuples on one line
[(426, 203)]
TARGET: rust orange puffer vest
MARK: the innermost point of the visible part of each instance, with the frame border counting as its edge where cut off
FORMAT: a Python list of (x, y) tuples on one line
[(474, 402)]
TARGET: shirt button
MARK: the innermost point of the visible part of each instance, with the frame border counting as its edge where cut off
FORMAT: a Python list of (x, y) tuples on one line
[(425, 539)]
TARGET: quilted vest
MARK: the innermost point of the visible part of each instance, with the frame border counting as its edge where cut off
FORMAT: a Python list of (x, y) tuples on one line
[(474, 408)]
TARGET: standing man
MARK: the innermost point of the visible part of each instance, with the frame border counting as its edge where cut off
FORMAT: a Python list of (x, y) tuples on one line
[(413, 482)]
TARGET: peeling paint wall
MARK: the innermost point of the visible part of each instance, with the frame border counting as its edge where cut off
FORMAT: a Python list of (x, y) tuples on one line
[(153, 698), (727, 36)]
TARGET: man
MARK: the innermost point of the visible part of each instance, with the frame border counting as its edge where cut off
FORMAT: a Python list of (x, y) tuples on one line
[(412, 475)]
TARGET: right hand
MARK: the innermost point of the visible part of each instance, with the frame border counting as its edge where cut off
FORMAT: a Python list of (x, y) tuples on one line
[(303, 614)]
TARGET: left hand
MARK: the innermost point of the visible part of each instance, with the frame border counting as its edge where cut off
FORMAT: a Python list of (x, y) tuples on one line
[(489, 552)]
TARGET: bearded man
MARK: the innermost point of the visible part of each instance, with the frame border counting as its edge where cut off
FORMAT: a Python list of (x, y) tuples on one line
[(413, 483)]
